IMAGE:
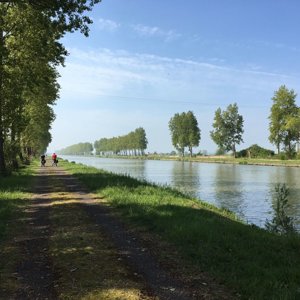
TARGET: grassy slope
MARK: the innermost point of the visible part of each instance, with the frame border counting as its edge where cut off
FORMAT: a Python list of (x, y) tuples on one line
[(258, 264), (13, 193), (13, 199)]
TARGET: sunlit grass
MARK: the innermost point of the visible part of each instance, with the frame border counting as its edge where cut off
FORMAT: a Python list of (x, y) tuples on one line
[(114, 294), (250, 260)]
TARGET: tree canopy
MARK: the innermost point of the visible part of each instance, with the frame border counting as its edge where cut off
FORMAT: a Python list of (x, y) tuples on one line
[(184, 131), (133, 143), (284, 120), (77, 149), (228, 128), (30, 51)]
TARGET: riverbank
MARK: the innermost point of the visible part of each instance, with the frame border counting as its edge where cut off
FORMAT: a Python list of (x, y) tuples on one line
[(221, 159), (255, 263), (198, 242)]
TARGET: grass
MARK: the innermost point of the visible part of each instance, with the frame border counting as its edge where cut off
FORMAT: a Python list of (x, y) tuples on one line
[(255, 263), (86, 264), (13, 192), (223, 159), (13, 199), (89, 266)]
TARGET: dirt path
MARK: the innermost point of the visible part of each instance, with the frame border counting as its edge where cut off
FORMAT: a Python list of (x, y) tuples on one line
[(48, 270)]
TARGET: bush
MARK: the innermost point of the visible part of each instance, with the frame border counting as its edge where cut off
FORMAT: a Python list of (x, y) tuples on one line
[(256, 151), (281, 222)]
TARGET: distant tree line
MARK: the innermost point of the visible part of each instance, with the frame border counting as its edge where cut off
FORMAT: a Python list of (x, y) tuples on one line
[(30, 52), (77, 149), (133, 143)]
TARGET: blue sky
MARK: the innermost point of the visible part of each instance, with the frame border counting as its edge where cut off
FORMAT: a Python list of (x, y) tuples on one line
[(146, 60)]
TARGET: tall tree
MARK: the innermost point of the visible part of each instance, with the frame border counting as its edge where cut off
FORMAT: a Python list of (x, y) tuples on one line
[(283, 111), (184, 131), (30, 31), (193, 131), (228, 128), (293, 125)]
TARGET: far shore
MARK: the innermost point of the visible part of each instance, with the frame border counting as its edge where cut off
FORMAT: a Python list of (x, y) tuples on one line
[(221, 159)]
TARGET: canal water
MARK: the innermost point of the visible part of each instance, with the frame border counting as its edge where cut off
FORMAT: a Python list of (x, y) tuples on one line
[(246, 190)]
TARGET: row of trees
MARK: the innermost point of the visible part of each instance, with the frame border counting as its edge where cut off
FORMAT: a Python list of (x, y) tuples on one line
[(228, 127), (30, 53), (133, 143), (77, 149)]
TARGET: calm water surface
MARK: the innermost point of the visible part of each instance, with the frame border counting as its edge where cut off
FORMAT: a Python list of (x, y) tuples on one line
[(246, 190)]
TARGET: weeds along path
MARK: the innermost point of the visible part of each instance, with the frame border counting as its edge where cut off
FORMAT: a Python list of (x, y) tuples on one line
[(70, 245)]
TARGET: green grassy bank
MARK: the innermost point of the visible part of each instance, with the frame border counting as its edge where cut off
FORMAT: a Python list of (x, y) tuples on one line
[(253, 262), (13, 193), (223, 159)]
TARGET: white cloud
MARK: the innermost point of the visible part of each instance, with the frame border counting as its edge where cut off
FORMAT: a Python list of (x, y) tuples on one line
[(147, 31), (107, 25), (106, 72)]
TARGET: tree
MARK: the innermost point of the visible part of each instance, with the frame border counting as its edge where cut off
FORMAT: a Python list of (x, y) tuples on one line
[(293, 125), (184, 131), (193, 132), (178, 139), (228, 128), (30, 31), (283, 120)]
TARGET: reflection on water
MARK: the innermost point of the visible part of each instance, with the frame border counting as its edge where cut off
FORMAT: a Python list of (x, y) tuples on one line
[(186, 178), (244, 189), (229, 189)]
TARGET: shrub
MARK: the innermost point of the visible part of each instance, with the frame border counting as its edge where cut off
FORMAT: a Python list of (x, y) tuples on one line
[(281, 222), (256, 151)]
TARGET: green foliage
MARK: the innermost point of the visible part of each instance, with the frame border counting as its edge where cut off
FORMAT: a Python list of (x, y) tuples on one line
[(284, 120), (281, 222), (220, 151), (228, 128), (256, 151), (134, 143), (77, 149), (184, 132), (30, 51)]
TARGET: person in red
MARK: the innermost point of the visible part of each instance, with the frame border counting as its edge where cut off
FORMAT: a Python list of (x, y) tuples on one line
[(54, 159)]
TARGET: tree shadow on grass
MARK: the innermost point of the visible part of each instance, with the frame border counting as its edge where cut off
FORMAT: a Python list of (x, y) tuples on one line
[(259, 263)]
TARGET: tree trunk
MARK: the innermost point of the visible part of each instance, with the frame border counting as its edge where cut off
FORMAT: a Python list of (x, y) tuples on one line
[(2, 159), (234, 150)]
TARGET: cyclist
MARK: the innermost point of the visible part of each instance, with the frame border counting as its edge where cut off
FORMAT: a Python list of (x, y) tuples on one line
[(54, 159)]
